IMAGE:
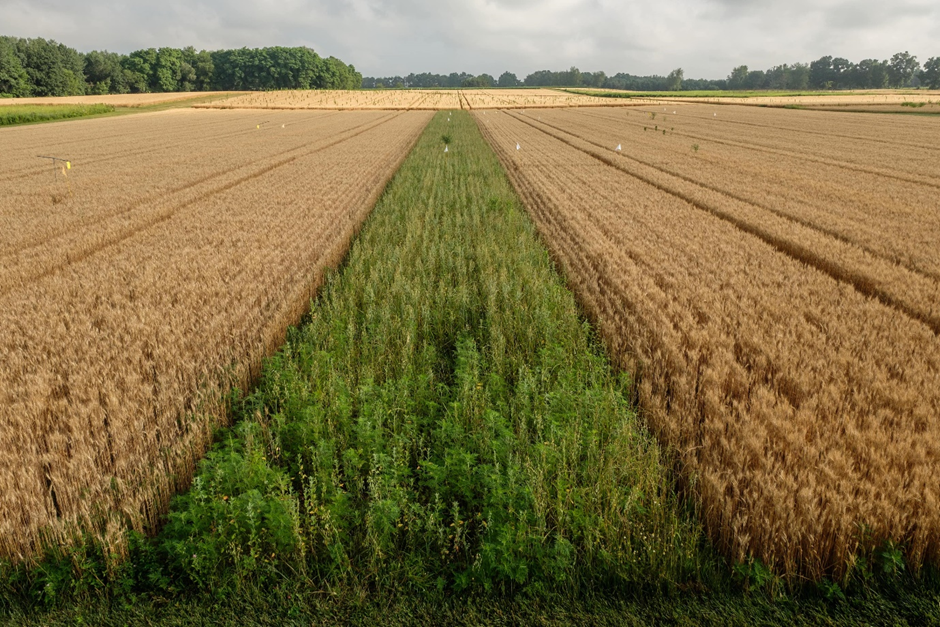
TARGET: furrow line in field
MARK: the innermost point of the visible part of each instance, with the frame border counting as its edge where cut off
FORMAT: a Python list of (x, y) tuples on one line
[(150, 147), (913, 294), (42, 263), (729, 191), (159, 196), (62, 148), (819, 133), (819, 196), (892, 174)]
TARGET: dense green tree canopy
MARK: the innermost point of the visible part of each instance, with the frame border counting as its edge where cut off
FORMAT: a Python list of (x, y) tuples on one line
[(508, 79), (39, 67), (931, 74), (14, 80), (674, 80)]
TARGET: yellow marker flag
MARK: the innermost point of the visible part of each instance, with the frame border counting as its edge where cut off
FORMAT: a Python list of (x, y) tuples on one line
[(259, 126), (68, 165)]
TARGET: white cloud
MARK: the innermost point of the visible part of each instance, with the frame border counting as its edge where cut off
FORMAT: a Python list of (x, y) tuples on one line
[(384, 37)]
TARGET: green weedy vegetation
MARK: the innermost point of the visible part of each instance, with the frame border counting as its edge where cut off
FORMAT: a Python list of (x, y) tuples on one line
[(29, 114), (444, 420)]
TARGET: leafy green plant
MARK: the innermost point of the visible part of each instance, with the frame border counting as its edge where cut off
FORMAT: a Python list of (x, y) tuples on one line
[(753, 574), (891, 559), (831, 590)]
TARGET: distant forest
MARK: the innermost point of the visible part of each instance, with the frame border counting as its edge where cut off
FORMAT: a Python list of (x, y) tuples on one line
[(41, 67), (901, 70)]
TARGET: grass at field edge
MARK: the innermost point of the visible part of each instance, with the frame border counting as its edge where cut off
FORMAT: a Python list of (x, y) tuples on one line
[(72, 112)]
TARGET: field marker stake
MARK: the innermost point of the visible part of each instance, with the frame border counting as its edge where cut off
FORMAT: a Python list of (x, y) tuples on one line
[(67, 165)]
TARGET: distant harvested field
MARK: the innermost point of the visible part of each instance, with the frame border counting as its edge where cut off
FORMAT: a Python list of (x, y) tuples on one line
[(138, 285), (431, 99), (116, 100), (773, 278), (921, 107), (872, 98), (894, 97)]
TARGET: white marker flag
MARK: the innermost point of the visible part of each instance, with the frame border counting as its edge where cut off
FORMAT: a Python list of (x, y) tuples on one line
[(517, 146), (445, 148), (618, 146)]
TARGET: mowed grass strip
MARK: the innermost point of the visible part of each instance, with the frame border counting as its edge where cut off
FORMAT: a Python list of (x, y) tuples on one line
[(444, 419), (30, 114)]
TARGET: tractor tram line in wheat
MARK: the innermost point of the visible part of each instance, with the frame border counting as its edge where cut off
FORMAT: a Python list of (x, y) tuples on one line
[(870, 271)]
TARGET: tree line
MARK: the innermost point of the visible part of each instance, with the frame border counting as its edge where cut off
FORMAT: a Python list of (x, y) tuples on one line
[(901, 70), (41, 67)]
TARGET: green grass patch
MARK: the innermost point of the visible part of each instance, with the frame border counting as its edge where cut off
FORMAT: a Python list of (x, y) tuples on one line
[(31, 114)]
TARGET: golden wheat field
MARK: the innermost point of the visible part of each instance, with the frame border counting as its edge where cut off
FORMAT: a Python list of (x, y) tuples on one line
[(413, 99), (116, 100), (142, 281), (772, 277)]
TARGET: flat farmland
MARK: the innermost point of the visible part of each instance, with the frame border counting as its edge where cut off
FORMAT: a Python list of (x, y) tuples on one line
[(140, 283), (771, 277), (412, 99), (116, 100)]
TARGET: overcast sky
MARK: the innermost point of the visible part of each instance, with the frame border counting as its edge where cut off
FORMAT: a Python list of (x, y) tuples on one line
[(388, 37)]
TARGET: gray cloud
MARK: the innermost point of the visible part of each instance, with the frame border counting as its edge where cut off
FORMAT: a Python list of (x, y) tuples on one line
[(383, 37)]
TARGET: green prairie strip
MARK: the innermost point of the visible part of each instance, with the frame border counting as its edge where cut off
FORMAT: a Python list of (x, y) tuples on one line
[(31, 114), (443, 420)]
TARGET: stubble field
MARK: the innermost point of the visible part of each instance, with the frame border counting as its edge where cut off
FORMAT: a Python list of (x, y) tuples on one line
[(142, 282), (770, 278)]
